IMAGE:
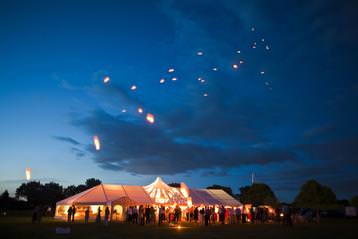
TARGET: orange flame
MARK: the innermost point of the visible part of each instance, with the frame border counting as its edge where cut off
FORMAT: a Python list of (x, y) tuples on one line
[(97, 143), (28, 174), (150, 118)]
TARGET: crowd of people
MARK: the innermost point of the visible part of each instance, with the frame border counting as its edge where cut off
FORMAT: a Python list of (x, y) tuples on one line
[(146, 214)]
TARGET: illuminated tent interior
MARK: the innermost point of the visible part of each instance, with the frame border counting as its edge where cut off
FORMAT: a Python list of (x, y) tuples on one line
[(119, 197)]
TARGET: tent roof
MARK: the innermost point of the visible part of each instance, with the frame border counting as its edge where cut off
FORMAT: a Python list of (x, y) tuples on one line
[(212, 197), (160, 192), (105, 194)]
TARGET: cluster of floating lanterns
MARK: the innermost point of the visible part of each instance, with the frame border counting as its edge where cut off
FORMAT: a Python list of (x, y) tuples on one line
[(150, 118)]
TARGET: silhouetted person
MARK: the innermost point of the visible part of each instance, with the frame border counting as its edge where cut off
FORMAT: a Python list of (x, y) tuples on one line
[(196, 214), (39, 214), (87, 214), (73, 213), (98, 218), (69, 214), (289, 217), (207, 216), (106, 216), (35, 214)]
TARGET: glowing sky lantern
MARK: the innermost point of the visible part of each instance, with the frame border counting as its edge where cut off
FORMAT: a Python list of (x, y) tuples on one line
[(262, 73), (235, 66), (200, 53), (205, 94), (140, 110), (162, 81), (133, 87), (202, 81), (124, 110), (150, 118), (215, 69), (171, 70), (267, 47), (253, 29), (174, 79), (97, 143), (106, 79), (241, 62), (263, 39), (238, 51), (28, 174)]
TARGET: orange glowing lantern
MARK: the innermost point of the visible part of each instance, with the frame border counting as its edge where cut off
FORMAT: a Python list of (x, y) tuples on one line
[(28, 174), (150, 118), (97, 143), (106, 79)]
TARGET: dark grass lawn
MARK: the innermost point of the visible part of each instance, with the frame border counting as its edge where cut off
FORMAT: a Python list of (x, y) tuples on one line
[(21, 227)]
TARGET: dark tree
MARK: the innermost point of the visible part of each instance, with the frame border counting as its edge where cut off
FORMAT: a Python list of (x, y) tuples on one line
[(258, 194), (354, 201), (32, 191), (37, 194), (315, 195), (5, 195), (91, 182), (70, 191), (54, 193), (226, 189)]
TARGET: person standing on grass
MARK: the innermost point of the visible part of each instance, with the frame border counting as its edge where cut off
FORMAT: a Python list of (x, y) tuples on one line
[(238, 215), (196, 214), (73, 213), (106, 215), (34, 215), (98, 218), (130, 213), (87, 215), (69, 214), (39, 214)]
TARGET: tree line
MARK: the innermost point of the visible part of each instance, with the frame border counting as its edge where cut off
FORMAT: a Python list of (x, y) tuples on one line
[(311, 195), (33, 193)]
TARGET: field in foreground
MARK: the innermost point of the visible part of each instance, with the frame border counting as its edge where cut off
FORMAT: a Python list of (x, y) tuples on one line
[(21, 227)]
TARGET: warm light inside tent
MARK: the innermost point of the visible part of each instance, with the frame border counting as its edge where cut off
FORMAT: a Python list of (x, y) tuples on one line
[(190, 202)]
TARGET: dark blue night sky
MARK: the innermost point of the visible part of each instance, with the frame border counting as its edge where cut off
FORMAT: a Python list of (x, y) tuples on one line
[(288, 113)]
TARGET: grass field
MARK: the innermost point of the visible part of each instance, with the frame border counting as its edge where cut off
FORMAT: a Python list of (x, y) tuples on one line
[(18, 226)]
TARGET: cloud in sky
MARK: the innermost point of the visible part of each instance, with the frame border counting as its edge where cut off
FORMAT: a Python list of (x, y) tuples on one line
[(67, 139), (145, 149)]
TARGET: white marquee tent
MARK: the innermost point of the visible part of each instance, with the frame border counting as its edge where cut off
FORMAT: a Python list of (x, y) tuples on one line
[(118, 197)]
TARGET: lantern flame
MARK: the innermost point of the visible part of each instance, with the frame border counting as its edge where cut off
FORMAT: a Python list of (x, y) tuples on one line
[(97, 143), (162, 81), (235, 66), (140, 110), (150, 118), (171, 70), (28, 174), (133, 87), (106, 79)]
